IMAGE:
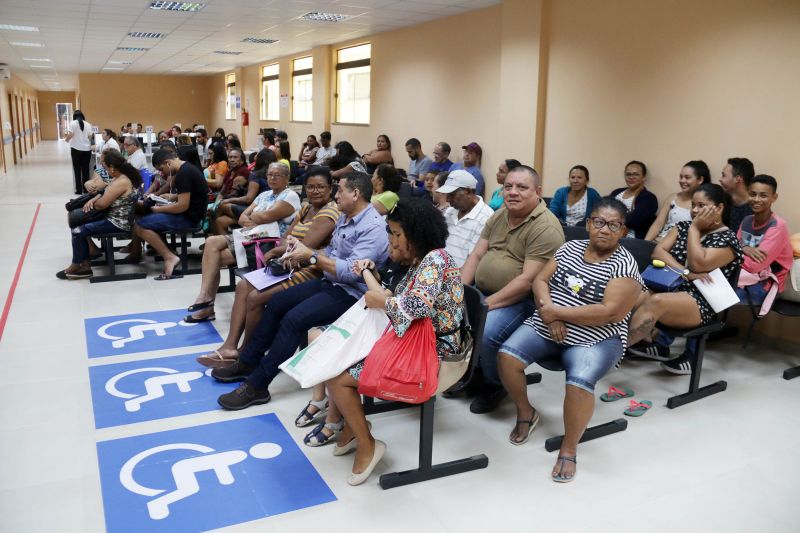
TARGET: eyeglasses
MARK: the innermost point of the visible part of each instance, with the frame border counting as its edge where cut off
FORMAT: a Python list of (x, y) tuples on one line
[(613, 225), (317, 187)]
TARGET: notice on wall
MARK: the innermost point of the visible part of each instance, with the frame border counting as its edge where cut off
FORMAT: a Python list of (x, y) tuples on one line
[(238, 102), (148, 129), (284, 101)]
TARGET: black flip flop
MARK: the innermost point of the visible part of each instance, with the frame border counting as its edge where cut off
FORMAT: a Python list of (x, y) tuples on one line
[(166, 277), (189, 319), (199, 307)]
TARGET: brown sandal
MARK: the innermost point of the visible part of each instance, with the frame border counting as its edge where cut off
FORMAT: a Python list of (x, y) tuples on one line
[(216, 360)]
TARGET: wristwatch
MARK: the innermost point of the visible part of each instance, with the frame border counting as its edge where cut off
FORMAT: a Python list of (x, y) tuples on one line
[(313, 259)]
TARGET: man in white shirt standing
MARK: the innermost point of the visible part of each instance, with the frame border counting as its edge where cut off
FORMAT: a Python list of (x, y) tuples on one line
[(466, 215), (134, 150)]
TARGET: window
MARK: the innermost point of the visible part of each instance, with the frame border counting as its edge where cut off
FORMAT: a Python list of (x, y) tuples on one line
[(301, 89), (352, 84), (270, 99), (230, 94)]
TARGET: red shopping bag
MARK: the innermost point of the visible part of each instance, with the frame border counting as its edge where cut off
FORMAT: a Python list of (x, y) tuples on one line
[(404, 369)]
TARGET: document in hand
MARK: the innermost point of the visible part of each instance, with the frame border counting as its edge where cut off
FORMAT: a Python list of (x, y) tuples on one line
[(159, 200), (261, 278), (718, 292)]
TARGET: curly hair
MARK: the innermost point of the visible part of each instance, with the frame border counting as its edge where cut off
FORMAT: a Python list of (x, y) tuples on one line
[(422, 223)]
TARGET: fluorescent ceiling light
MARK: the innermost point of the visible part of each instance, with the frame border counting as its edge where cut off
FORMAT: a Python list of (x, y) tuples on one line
[(120, 62), (14, 27), (131, 49), (30, 45), (146, 34), (194, 65), (36, 59), (112, 68), (259, 40), (177, 6), (226, 52), (41, 66), (319, 16)]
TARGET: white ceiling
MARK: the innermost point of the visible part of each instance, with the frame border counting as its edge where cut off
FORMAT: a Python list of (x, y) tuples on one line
[(83, 35)]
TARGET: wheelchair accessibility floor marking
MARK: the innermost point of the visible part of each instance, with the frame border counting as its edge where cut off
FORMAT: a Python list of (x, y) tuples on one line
[(126, 393), (206, 477), (145, 332)]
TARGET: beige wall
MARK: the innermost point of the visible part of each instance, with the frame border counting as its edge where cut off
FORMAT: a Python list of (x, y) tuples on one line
[(47, 109), (27, 121), (672, 81), (110, 100)]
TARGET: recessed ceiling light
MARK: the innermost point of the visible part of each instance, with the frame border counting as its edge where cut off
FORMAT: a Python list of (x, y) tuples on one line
[(177, 6), (146, 34), (120, 62), (14, 27), (131, 49), (194, 65), (226, 52), (319, 16), (41, 66), (112, 68), (36, 59), (30, 45), (259, 40)]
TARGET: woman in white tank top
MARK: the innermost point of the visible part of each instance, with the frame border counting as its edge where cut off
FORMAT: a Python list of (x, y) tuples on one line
[(678, 207)]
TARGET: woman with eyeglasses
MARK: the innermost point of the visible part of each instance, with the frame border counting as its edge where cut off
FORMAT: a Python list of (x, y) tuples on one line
[(641, 203), (314, 226), (584, 297)]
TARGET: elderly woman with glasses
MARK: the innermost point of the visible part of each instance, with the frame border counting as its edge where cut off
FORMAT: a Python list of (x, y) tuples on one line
[(584, 297)]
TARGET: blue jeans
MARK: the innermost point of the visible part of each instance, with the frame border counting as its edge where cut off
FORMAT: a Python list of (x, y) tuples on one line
[(80, 247), (756, 294), (500, 324), (585, 365), (165, 222), (285, 324)]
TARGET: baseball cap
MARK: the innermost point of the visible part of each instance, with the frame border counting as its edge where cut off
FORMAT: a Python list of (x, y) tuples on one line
[(458, 179), (474, 147)]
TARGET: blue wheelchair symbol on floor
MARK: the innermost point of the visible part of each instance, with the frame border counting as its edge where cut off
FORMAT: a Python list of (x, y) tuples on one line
[(145, 332), (206, 477), (184, 472), (125, 393)]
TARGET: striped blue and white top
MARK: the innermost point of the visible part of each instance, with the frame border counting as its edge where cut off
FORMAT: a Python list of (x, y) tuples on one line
[(576, 282)]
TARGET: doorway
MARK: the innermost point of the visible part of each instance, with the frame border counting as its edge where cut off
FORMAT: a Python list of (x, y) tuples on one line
[(13, 128), (64, 117)]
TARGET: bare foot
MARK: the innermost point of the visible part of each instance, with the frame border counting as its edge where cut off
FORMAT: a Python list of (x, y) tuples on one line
[(566, 465), (170, 263)]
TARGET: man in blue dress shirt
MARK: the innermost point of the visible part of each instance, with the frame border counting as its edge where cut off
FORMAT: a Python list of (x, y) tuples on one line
[(360, 233)]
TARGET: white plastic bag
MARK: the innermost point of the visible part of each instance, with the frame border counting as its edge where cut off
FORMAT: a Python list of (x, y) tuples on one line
[(241, 235), (345, 342)]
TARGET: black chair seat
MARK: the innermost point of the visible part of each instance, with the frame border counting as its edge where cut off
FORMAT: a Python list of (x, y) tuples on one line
[(786, 308), (693, 332)]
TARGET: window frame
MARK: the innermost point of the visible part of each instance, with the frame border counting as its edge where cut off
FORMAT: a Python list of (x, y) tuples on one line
[(295, 74), (265, 79), (230, 103), (347, 65)]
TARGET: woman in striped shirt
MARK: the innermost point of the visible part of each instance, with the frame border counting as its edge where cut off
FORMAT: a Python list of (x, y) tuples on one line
[(314, 226), (584, 297)]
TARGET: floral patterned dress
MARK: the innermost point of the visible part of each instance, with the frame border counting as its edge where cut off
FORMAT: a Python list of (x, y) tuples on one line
[(719, 239), (432, 289)]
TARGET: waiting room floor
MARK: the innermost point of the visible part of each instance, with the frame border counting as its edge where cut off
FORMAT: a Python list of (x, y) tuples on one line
[(730, 462)]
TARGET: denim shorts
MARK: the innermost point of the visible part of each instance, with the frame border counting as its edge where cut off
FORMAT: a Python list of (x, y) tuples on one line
[(584, 365), (165, 222)]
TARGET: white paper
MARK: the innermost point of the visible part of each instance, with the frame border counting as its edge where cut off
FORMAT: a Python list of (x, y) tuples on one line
[(260, 279), (238, 248), (718, 293)]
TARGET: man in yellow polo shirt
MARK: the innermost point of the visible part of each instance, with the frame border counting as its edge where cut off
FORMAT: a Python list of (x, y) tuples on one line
[(515, 244)]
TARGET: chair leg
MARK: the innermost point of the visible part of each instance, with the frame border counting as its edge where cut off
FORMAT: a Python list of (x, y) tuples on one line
[(791, 373), (231, 286), (111, 264), (695, 391), (595, 432), (426, 470)]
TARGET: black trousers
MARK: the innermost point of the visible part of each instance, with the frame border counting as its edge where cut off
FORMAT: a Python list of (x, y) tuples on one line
[(81, 160)]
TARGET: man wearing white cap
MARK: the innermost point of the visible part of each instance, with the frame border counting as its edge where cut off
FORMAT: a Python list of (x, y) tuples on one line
[(466, 215)]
